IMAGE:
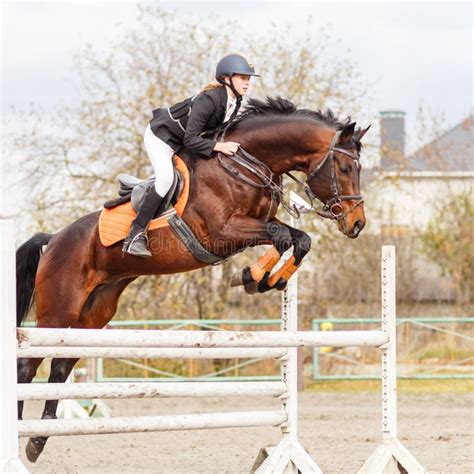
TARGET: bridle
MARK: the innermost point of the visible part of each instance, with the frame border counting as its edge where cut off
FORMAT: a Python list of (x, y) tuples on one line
[(332, 209)]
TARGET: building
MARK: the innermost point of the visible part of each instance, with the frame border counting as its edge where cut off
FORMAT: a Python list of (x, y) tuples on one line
[(408, 192), (414, 186)]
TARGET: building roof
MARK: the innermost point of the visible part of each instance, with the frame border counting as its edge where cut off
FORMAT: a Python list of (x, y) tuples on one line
[(451, 151)]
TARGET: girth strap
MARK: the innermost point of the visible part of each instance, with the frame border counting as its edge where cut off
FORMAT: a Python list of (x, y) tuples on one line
[(183, 231)]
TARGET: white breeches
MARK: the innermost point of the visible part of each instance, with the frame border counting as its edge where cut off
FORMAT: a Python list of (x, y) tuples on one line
[(161, 157)]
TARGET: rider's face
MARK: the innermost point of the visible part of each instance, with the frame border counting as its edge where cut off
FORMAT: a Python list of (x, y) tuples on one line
[(241, 83)]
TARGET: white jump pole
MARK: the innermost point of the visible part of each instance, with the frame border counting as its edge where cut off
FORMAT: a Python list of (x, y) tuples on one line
[(151, 353), (37, 337), (390, 456), (143, 424), (115, 390), (9, 459)]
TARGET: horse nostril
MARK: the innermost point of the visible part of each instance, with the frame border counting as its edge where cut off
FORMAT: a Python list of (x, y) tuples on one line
[(358, 226)]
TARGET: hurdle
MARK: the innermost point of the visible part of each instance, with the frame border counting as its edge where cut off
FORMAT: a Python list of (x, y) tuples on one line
[(289, 454)]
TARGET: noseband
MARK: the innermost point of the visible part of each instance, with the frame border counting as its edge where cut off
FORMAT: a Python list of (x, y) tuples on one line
[(333, 209)]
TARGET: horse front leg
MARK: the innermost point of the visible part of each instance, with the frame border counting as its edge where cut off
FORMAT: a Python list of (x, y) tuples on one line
[(301, 242), (256, 272), (258, 278), (255, 278)]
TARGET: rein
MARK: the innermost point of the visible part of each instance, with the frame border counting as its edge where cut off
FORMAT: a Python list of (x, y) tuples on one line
[(332, 209), (260, 170)]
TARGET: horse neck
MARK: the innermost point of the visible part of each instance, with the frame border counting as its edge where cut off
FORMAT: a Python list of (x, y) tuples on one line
[(286, 146)]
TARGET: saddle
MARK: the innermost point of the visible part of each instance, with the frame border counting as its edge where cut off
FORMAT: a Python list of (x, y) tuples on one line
[(134, 189), (118, 214)]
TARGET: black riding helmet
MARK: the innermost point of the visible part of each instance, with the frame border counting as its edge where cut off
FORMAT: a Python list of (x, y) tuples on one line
[(234, 64)]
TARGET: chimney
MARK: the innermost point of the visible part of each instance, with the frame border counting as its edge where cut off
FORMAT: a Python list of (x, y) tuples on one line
[(392, 139)]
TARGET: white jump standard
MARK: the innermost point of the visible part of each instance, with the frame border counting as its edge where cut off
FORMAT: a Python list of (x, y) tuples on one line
[(288, 454), (391, 453)]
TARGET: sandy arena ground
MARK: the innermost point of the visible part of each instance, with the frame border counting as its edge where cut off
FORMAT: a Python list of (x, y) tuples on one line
[(340, 430)]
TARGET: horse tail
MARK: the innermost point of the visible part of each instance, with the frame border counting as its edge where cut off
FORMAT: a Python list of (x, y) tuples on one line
[(27, 260)]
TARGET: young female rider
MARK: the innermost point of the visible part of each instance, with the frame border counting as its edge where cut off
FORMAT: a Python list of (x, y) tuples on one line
[(182, 124)]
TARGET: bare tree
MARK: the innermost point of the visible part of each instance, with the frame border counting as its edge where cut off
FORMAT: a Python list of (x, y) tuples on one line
[(449, 241)]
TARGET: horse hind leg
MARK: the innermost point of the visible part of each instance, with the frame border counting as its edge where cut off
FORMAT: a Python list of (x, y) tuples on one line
[(26, 371), (58, 304), (98, 310), (60, 370)]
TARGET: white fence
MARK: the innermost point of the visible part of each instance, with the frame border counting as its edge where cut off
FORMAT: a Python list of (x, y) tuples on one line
[(289, 453)]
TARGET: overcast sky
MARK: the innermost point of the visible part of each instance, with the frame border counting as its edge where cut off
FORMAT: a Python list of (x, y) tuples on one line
[(412, 52)]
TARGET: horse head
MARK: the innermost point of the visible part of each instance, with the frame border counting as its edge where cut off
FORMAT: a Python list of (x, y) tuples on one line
[(333, 177)]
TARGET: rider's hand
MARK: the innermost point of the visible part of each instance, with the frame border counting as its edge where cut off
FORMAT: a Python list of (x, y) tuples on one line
[(228, 148)]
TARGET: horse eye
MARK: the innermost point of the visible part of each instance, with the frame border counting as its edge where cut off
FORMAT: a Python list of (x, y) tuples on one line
[(346, 170)]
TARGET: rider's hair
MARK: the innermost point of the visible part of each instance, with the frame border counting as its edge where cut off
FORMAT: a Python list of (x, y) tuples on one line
[(212, 85)]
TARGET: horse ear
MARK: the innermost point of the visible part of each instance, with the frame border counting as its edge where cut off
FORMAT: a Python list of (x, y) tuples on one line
[(346, 133), (363, 132)]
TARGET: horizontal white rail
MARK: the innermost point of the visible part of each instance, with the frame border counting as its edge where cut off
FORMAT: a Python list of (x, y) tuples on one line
[(199, 339), (60, 391), (149, 423), (151, 353)]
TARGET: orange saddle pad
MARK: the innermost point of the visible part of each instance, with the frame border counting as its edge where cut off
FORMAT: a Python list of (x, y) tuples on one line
[(115, 223)]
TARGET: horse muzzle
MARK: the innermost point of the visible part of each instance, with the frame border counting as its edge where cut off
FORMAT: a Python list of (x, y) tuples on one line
[(356, 229), (352, 221)]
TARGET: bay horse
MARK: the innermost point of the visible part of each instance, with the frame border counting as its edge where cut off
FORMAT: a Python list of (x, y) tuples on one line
[(77, 281)]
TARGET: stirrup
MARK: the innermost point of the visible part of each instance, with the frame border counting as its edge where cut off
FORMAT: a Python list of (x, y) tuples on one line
[(143, 252)]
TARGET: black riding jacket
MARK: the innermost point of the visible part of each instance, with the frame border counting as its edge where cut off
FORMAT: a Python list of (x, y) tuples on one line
[(184, 122)]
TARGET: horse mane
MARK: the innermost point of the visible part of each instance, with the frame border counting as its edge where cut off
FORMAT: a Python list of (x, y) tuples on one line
[(274, 107)]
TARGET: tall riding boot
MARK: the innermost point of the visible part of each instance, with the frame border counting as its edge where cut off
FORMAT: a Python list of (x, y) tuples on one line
[(136, 241)]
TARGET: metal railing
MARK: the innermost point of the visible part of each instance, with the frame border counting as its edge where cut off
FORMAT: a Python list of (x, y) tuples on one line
[(175, 324), (457, 368)]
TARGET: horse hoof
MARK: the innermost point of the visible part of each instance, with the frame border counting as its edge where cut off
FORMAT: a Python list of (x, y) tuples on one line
[(34, 448), (243, 278), (281, 284), (251, 288), (236, 280), (263, 286)]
